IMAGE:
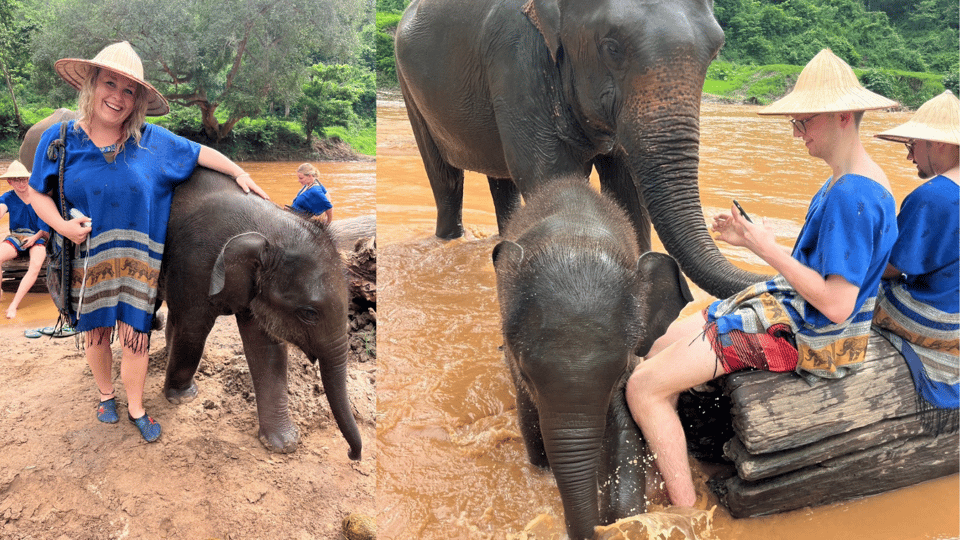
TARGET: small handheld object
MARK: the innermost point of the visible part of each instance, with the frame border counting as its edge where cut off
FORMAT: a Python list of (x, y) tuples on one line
[(74, 213), (742, 213)]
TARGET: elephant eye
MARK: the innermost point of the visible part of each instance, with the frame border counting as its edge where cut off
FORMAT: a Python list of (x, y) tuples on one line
[(612, 52), (308, 315)]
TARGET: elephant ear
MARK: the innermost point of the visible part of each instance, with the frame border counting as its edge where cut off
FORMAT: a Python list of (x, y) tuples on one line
[(234, 277), (545, 15), (662, 293), (507, 255)]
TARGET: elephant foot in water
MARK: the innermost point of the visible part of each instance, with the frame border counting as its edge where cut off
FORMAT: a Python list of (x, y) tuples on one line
[(179, 396)]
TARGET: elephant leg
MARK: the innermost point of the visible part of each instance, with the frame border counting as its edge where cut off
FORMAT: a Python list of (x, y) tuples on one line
[(506, 199), (617, 182), (446, 181), (529, 420), (186, 334), (621, 477), (267, 359)]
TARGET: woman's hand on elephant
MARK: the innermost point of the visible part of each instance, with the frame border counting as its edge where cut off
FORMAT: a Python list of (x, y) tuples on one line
[(245, 181)]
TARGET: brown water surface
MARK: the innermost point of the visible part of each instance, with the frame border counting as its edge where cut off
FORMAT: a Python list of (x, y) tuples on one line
[(351, 186), (451, 462)]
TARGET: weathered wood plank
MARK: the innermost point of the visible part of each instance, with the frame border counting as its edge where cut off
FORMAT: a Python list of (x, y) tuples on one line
[(778, 411), (894, 465), (361, 266), (757, 467), (13, 272)]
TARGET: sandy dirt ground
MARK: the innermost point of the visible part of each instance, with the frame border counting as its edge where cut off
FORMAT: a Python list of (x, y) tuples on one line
[(64, 475)]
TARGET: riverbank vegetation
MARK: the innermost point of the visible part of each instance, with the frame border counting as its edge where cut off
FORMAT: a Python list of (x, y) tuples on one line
[(256, 79), (904, 49)]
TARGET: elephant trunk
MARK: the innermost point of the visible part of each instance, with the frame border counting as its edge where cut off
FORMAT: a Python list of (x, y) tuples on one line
[(663, 156), (573, 443), (333, 374)]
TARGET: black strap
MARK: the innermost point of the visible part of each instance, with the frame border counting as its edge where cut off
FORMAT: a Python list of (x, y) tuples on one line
[(58, 150)]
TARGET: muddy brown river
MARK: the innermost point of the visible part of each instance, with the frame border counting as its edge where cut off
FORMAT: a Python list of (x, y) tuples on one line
[(451, 459)]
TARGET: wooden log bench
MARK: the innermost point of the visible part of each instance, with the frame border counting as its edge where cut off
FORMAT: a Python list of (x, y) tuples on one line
[(14, 270), (795, 445)]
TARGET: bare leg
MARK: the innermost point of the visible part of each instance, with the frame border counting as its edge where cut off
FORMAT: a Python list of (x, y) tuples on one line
[(100, 360), (7, 253), (652, 393), (678, 329), (37, 255), (133, 372)]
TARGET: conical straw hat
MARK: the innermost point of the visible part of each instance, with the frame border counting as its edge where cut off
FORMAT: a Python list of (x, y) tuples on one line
[(16, 170), (120, 58), (936, 120), (827, 84)]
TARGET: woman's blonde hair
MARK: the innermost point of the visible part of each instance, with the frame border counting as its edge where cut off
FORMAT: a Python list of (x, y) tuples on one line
[(132, 126), (309, 170)]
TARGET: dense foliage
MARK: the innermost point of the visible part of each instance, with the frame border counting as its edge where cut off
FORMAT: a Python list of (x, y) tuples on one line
[(886, 38), (921, 38), (225, 61)]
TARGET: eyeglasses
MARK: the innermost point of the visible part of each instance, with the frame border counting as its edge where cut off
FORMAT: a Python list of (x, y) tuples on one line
[(801, 125)]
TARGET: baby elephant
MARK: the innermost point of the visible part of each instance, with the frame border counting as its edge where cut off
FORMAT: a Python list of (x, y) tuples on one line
[(577, 301)]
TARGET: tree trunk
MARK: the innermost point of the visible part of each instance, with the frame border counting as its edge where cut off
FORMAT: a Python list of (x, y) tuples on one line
[(13, 96)]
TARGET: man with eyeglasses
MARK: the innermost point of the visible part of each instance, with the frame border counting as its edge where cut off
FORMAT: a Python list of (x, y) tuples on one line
[(814, 316), (918, 309)]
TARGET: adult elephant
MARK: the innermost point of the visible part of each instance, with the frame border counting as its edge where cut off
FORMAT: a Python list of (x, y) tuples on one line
[(227, 253), (528, 90)]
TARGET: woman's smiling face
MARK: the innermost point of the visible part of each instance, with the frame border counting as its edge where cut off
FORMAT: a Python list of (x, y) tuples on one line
[(114, 97)]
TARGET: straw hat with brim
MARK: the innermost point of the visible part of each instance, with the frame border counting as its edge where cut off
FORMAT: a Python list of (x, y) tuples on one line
[(119, 58), (16, 170), (937, 120), (827, 84)]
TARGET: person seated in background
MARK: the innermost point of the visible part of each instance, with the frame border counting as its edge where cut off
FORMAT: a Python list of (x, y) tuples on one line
[(312, 198), (918, 309), (27, 232), (814, 316)]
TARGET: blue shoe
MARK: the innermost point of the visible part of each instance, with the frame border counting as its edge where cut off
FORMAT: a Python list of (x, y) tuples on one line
[(107, 411), (148, 427), (65, 331)]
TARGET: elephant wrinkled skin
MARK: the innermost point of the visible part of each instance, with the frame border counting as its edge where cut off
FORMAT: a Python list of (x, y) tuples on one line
[(524, 91), (577, 300)]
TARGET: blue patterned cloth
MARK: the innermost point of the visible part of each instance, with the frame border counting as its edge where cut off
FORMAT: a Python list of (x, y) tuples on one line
[(22, 216), (919, 313), (128, 200), (312, 199), (849, 231)]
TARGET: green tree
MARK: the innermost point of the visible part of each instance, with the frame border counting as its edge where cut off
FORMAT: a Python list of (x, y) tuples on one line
[(337, 95), (17, 24), (228, 58)]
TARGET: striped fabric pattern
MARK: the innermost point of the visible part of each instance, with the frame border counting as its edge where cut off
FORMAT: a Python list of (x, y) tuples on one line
[(830, 351)]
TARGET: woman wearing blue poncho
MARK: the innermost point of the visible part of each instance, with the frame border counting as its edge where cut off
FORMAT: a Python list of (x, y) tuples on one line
[(312, 198), (814, 316), (120, 172)]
